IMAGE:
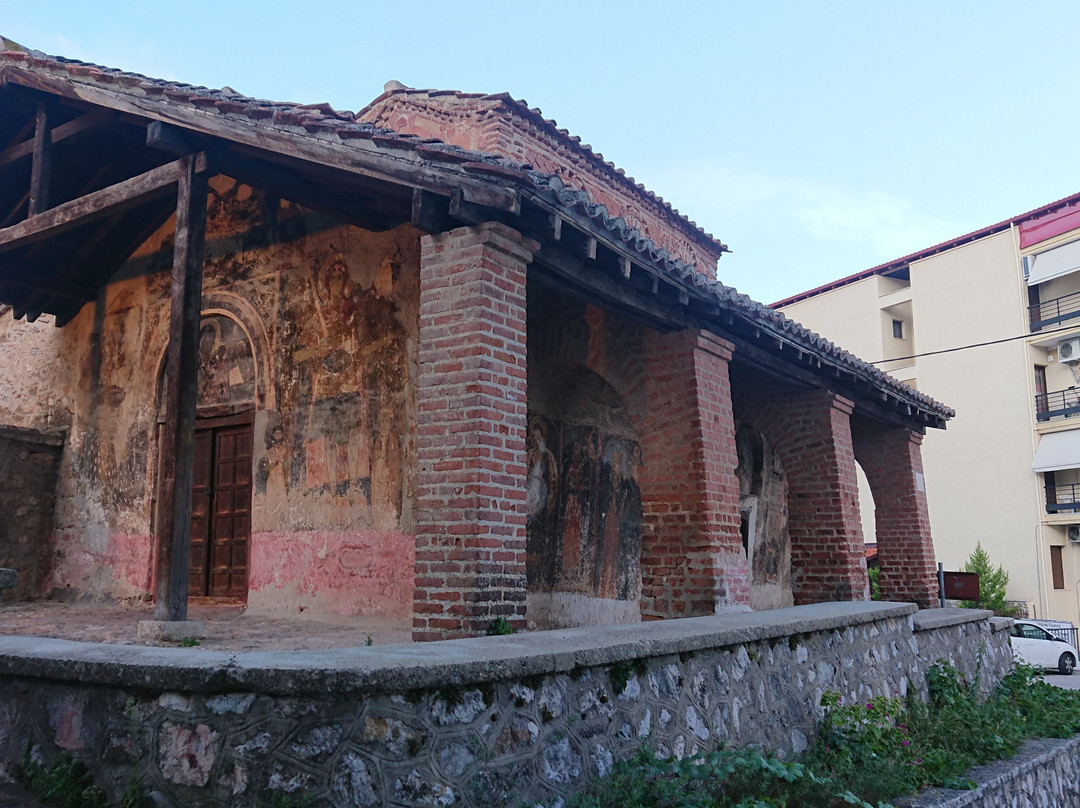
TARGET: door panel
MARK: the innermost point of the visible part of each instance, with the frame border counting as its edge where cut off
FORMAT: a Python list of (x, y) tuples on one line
[(221, 511), (201, 495), (232, 511)]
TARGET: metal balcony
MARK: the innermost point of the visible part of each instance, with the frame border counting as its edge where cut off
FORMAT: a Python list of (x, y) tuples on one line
[(1051, 312), (1061, 404), (1063, 498)]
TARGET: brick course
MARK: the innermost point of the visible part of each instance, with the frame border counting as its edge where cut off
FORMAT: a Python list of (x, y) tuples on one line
[(693, 561), (470, 534)]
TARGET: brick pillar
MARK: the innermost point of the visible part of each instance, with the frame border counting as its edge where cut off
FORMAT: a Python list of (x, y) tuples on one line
[(471, 424), (827, 557), (692, 558), (892, 459)]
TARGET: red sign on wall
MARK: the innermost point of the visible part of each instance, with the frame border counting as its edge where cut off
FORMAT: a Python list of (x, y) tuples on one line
[(961, 585)]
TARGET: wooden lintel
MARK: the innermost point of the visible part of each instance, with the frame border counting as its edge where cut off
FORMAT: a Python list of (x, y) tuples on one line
[(41, 168), (84, 123), (124, 195)]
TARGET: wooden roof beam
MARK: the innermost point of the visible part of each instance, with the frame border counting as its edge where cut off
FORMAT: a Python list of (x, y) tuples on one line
[(122, 196), (82, 124)]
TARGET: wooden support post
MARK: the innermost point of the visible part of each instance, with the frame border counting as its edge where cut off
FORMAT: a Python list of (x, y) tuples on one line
[(173, 522), (40, 168)]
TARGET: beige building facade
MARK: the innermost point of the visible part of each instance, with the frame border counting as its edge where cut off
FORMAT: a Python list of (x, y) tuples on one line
[(991, 323)]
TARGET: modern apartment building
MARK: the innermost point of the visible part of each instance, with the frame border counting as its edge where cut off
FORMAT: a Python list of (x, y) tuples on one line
[(989, 322)]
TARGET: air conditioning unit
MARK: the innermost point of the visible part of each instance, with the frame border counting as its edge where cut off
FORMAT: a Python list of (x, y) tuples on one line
[(1073, 533), (1069, 350)]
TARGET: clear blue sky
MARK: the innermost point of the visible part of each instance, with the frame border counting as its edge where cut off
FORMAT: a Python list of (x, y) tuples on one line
[(815, 139)]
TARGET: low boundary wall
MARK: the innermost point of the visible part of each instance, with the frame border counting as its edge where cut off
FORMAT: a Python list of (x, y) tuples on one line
[(471, 722), (1045, 772)]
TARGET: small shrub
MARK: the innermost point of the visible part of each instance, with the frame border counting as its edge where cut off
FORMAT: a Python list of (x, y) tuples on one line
[(500, 626), (65, 784), (189, 642), (874, 573), (992, 584)]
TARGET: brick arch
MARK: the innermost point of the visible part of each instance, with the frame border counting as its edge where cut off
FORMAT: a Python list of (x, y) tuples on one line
[(811, 432), (891, 458)]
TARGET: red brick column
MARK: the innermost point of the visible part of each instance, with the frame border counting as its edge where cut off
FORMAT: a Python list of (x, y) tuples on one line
[(692, 558), (471, 423), (892, 459), (827, 557)]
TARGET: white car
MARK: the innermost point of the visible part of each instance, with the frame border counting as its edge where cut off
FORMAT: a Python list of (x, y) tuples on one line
[(1033, 644)]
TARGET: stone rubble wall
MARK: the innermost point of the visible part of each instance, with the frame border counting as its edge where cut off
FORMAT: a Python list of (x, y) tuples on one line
[(29, 462), (475, 722), (1045, 773)]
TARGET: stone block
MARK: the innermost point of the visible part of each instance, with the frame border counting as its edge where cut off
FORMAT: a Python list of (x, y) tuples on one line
[(170, 630)]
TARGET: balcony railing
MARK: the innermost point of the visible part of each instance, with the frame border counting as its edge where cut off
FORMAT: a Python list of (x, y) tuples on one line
[(1061, 404), (1054, 311), (1063, 498)]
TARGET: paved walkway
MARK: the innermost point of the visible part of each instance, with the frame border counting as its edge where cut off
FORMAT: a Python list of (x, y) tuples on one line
[(228, 628)]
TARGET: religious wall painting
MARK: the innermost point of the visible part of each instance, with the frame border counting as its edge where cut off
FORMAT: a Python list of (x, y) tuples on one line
[(342, 352), (584, 510), (226, 365)]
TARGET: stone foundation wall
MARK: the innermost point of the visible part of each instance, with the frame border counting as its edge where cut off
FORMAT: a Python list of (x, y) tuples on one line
[(29, 461), (472, 722)]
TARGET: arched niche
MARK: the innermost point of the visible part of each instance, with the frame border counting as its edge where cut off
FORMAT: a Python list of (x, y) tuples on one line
[(584, 505), (763, 507)]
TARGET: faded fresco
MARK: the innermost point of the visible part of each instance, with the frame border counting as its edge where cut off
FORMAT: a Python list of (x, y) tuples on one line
[(584, 505), (311, 324), (763, 504), (226, 364)]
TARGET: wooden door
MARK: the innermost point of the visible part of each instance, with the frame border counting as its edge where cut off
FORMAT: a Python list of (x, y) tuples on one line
[(221, 510)]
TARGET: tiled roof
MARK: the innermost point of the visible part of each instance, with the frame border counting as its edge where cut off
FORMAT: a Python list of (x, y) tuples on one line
[(533, 114), (342, 128), (900, 263)]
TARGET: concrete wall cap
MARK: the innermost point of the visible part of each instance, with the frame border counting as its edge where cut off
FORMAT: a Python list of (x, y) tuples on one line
[(402, 668), (926, 619)]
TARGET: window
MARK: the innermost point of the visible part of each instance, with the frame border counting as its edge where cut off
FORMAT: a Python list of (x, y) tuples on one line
[(1057, 569), (898, 329), (1042, 404)]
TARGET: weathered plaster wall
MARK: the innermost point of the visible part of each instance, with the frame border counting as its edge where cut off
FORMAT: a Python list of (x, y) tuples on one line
[(37, 375), (763, 503), (29, 461), (585, 516), (309, 323), (477, 722)]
